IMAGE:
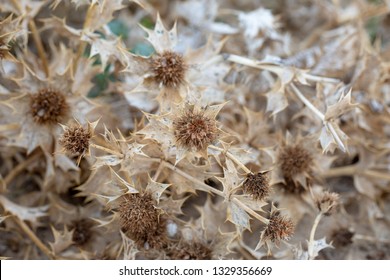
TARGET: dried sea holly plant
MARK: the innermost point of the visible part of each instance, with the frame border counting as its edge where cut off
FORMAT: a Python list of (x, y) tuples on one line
[(140, 129)]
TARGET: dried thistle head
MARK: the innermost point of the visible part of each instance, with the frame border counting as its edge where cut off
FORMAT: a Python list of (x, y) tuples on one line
[(190, 251), (294, 160), (138, 213), (169, 69), (194, 129), (327, 202), (141, 220), (257, 185), (279, 228), (81, 231), (48, 106), (157, 239), (75, 139)]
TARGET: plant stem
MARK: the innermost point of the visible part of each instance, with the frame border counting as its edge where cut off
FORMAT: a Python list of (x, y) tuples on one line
[(38, 43), (275, 68), (320, 115), (312, 233), (106, 150), (204, 187), (376, 174), (158, 172), (34, 238), (348, 170), (232, 157), (314, 78), (351, 170), (36, 38), (251, 211), (308, 104), (332, 130), (201, 184), (20, 167), (82, 45)]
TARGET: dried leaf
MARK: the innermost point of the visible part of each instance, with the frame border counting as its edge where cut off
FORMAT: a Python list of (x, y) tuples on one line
[(62, 240), (161, 38), (31, 214), (156, 189), (341, 107), (317, 246), (238, 216), (276, 99)]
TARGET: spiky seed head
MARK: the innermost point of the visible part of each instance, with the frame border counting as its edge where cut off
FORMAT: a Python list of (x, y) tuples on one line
[(138, 213), (169, 69), (81, 231), (48, 106), (141, 220), (75, 139), (191, 251), (327, 202), (156, 239), (294, 160), (257, 185), (194, 130), (279, 228)]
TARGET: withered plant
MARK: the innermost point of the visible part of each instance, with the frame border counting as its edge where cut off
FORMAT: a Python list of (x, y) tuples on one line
[(197, 129)]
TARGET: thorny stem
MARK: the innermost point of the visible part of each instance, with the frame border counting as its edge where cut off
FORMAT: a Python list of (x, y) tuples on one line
[(37, 40), (158, 172), (204, 186), (34, 238), (351, 170), (312, 233), (320, 79), (335, 136), (82, 45), (247, 255), (320, 115), (38, 43), (376, 174), (232, 157), (305, 101), (106, 150), (20, 167), (251, 211), (273, 68)]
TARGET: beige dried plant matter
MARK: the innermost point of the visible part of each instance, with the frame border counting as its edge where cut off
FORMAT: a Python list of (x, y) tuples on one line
[(194, 130)]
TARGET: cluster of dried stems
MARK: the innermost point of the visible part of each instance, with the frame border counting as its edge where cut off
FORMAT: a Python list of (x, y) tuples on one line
[(197, 129)]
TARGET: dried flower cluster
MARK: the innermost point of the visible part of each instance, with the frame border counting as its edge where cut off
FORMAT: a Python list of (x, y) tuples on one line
[(194, 129), (48, 106), (279, 228), (257, 185), (169, 69)]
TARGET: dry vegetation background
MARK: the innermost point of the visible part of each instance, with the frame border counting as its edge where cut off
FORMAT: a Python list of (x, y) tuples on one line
[(199, 129)]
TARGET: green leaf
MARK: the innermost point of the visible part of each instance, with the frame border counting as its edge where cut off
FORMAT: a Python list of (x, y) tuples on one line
[(119, 28), (143, 49), (147, 22)]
